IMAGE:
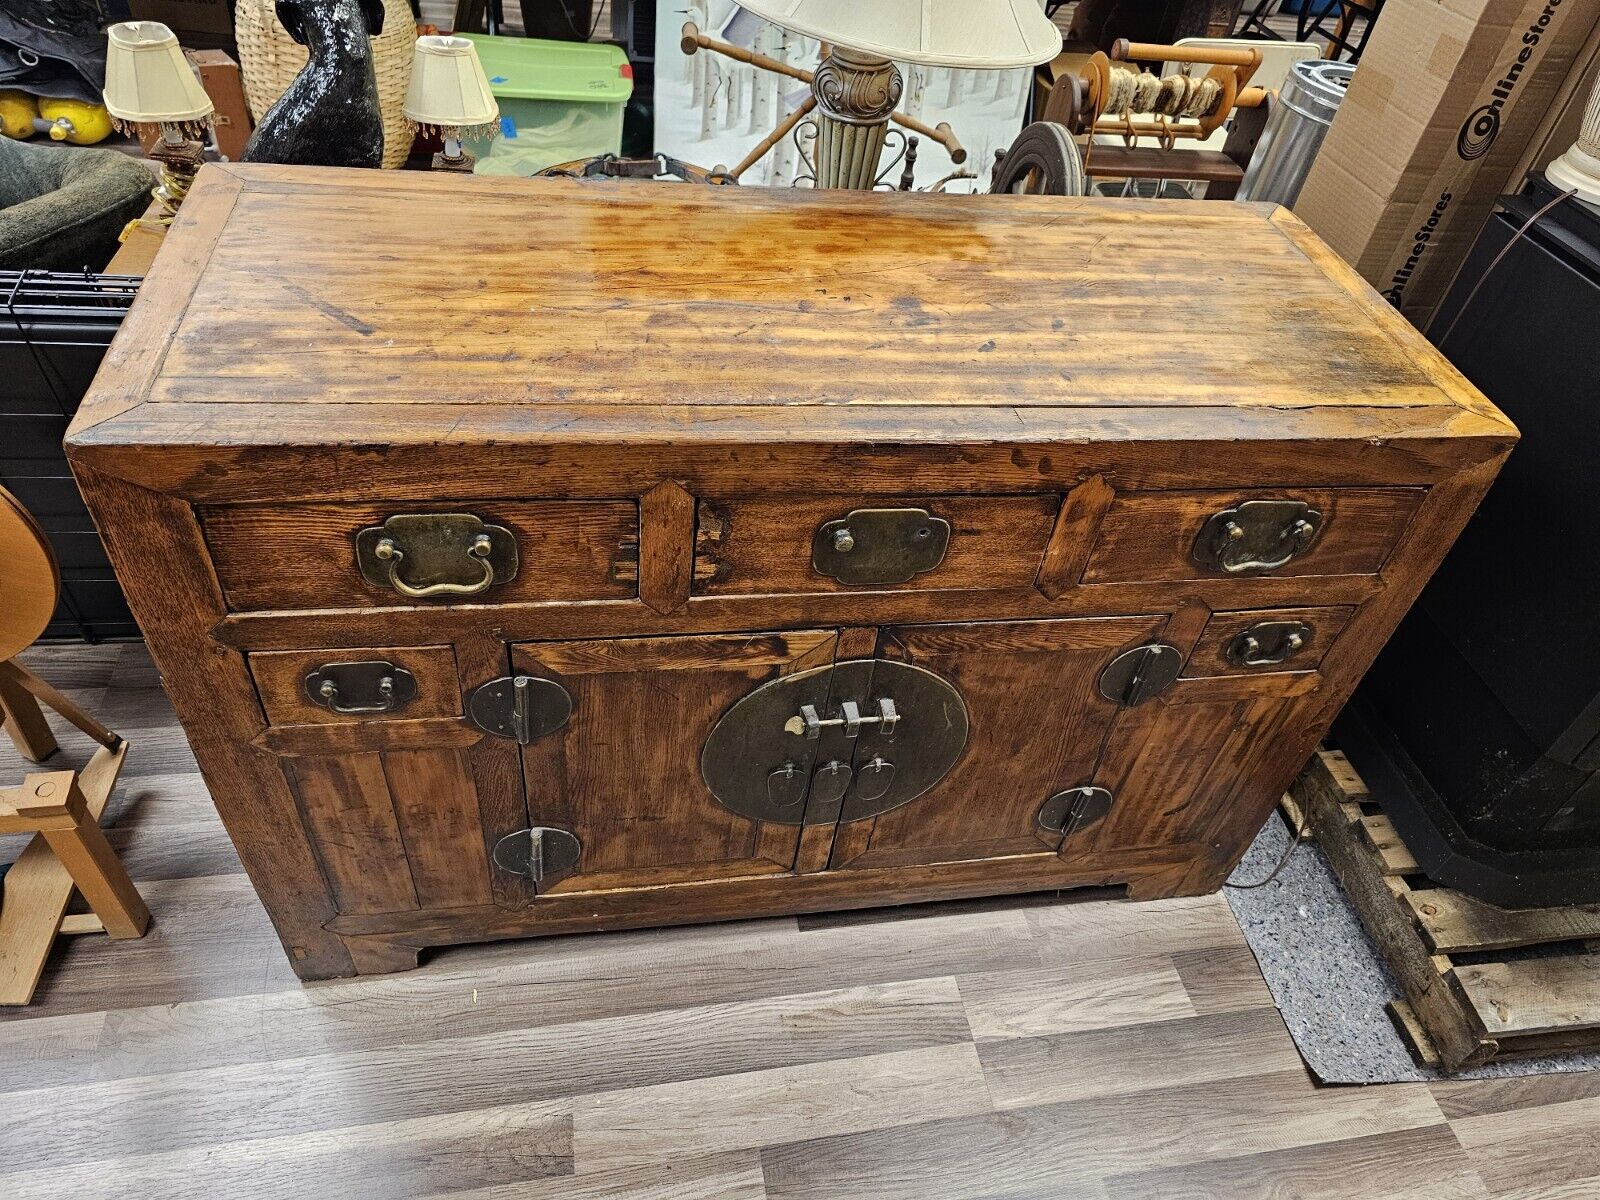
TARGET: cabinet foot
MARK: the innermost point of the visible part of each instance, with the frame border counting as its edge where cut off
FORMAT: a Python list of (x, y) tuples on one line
[(380, 955)]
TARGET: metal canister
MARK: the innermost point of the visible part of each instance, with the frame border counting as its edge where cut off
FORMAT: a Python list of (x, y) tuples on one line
[(1299, 121)]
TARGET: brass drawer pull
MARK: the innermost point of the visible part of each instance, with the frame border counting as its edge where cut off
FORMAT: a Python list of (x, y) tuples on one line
[(443, 554), (1257, 536), (387, 551), (1269, 643), (360, 689)]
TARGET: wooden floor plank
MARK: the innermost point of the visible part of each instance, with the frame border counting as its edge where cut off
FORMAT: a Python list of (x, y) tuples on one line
[(732, 1176), (1058, 999), (1417, 1164), (1546, 1144), (515, 1066), (1044, 1070), (613, 1130), (1115, 929), (1064, 1149), (1479, 1097), (1224, 980), (391, 1160), (509, 986)]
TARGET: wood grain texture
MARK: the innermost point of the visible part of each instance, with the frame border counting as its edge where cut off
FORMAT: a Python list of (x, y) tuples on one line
[(303, 556), (1072, 538), (1152, 536), (281, 676), (1210, 655), (666, 546), (763, 545), (665, 486)]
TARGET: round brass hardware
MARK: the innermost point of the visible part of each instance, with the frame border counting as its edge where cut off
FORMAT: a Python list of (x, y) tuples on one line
[(837, 743)]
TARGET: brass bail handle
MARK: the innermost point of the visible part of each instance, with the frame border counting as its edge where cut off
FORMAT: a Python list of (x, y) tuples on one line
[(1295, 537), (389, 552), (850, 717), (329, 691)]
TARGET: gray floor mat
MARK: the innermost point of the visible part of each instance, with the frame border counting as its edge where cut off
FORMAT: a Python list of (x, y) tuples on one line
[(1326, 976)]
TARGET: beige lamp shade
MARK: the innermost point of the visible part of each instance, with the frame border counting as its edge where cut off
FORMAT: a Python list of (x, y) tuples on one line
[(941, 33), (148, 80), (448, 89)]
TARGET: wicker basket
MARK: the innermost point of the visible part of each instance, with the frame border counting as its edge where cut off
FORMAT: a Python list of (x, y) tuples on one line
[(269, 59)]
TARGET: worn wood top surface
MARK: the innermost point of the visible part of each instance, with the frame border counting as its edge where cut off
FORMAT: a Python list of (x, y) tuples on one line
[(429, 298)]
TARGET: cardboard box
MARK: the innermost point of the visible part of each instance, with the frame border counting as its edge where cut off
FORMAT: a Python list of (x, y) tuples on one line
[(1446, 100)]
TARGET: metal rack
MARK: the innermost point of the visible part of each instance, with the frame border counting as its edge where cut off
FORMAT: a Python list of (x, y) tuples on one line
[(54, 330)]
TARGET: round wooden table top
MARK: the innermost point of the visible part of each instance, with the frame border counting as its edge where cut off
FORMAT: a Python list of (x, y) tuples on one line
[(29, 578)]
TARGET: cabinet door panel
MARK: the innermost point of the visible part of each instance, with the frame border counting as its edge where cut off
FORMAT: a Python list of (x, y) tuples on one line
[(395, 830), (1037, 724), (624, 773)]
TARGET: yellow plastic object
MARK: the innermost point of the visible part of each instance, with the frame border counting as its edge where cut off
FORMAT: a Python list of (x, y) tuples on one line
[(17, 111), (76, 122)]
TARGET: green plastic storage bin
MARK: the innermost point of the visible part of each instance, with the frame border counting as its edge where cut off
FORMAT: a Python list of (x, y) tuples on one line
[(558, 101)]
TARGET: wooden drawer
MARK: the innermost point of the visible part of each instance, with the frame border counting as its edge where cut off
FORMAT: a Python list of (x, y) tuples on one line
[(303, 556), (1211, 653), (281, 681), (758, 545), (1150, 536)]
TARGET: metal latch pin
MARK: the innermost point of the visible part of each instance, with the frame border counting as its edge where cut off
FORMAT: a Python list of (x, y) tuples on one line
[(850, 717)]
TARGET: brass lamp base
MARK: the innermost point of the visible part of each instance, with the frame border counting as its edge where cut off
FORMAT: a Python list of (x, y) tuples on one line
[(463, 164)]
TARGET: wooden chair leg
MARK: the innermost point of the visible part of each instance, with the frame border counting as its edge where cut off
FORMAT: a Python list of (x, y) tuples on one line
[(24, 720), (57, 806), (36, 689)]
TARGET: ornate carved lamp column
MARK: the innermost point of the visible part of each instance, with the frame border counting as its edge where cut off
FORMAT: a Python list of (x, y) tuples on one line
[(855, 94), (1579, 167), (858, 85)]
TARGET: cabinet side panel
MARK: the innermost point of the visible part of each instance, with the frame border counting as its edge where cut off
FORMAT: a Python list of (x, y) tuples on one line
[(155, 544)]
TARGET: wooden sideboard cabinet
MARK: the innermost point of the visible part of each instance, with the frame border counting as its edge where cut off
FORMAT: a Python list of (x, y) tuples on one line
[(534, 556)]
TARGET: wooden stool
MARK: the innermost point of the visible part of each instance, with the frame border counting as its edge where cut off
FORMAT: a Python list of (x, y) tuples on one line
[(62, 807)]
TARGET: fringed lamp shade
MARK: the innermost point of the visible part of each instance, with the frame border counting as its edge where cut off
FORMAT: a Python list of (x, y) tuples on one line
[(941, 33), (449, 93), (149, 82)]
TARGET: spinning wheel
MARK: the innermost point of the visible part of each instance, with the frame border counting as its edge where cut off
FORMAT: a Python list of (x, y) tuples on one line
[(1043, 161)]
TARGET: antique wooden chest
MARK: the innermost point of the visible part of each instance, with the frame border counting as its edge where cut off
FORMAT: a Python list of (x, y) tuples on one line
[(526, 557)]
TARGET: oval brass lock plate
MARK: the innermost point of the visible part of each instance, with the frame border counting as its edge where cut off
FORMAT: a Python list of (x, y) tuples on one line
[(537, 852), (425, 556), (1074, 810), (520, 707), (1134, 676), (880, 546), (865, 736)]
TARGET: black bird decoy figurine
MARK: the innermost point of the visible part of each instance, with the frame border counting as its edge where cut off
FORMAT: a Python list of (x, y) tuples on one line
[(329, 117)]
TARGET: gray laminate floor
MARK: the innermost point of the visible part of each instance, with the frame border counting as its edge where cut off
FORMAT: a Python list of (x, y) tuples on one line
[(1054, 1047)]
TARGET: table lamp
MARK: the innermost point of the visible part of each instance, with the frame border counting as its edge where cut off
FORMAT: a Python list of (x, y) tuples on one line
[(858, 85), (150, 85), (450, 96), (1578, 170)]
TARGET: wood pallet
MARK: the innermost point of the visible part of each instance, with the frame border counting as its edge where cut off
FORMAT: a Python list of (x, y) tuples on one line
[(1462, 1007)]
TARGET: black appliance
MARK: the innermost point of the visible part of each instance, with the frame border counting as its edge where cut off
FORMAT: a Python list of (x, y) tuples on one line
[(54, 329), (1478, 728)]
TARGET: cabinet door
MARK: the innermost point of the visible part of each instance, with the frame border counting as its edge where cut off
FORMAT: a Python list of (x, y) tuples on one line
[(623, 774), (1037, 725)]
